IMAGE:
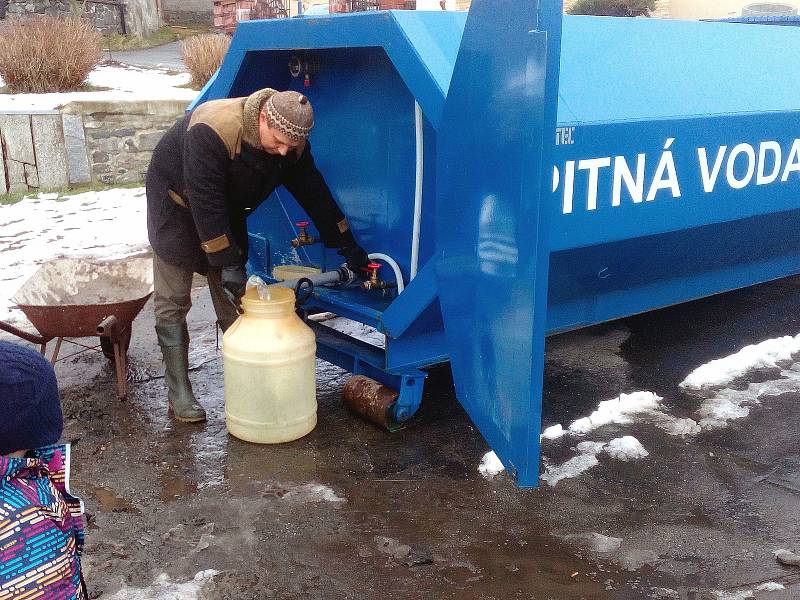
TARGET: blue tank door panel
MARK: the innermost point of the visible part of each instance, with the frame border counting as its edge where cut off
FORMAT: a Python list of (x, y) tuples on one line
[(489, 174)]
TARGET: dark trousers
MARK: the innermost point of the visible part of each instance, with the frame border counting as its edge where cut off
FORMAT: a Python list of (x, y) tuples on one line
[(172, 295)]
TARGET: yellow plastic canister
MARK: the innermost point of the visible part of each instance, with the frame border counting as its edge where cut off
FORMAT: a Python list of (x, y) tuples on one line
[(284, 272), (270, 366)]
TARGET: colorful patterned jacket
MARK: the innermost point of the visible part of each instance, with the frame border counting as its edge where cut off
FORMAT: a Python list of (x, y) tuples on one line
[(41, 528)]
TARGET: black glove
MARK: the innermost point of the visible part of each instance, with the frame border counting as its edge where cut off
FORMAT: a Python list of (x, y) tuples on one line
[(234, 283), (357, 259)]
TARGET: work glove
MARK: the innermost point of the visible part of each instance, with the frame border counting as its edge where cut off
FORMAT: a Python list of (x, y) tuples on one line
[(357, 259), (234, 283)]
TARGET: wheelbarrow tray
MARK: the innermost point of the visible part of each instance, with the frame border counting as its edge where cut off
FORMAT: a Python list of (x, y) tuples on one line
[(75, 321), (70, 297)]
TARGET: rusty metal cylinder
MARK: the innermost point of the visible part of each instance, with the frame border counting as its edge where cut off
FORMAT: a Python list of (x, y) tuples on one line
[(372, 400)]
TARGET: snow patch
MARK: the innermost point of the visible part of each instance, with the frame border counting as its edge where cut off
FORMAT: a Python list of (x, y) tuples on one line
[(626, 448), (728, 404), (741, 595), (312, 492), (490, 465), (623, 448), (620, 410), (553, 432), (770, 586), (623, 410), (125, 82), (572, 468), (629, 408), (165, 589), (590, 447), (724, 370), (676, 426)]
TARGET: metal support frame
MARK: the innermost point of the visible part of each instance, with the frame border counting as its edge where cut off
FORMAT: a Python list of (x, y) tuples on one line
[(361, 358)]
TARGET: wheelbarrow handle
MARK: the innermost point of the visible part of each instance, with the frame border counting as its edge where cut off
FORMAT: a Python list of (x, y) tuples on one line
[(29, 337)]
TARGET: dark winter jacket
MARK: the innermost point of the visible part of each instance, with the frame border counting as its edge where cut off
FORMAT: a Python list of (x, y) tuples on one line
[(209, 172)]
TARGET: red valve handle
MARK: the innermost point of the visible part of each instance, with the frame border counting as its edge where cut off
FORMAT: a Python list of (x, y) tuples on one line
[(302, 223), (374, 265)]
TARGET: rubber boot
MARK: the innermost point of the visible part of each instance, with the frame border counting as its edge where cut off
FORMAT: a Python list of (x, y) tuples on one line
[(174, 342)]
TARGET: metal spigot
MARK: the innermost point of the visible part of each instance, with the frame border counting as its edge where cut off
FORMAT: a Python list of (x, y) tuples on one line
[(375, 282), (303, 239)]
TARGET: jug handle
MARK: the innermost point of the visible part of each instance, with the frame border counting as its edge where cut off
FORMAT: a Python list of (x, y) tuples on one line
[(303, 290)]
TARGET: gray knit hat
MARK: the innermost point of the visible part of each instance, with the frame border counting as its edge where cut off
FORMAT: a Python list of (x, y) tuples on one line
[(290, 113)]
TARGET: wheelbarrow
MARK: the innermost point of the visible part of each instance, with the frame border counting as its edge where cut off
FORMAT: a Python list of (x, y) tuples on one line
[(69, 298)]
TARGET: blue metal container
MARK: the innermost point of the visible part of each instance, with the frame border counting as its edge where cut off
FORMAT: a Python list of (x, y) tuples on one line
[(633, 164)]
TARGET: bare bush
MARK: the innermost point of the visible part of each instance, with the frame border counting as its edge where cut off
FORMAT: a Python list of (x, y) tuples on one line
[(203, 54), (48, 54)]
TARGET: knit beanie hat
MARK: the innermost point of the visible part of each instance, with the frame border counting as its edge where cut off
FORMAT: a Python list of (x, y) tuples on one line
[(290, 113), (30, 409)]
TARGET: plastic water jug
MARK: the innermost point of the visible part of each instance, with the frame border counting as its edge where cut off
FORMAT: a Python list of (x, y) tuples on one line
[(270, 365)]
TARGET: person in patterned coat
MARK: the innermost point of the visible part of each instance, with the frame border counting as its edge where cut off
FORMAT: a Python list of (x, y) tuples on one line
[(41, 523)]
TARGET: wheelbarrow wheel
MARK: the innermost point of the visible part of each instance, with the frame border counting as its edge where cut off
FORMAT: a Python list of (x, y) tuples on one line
[(108, 346)]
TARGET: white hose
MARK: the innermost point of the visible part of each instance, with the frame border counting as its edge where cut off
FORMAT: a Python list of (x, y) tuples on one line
[(398, 276), (420, 170)]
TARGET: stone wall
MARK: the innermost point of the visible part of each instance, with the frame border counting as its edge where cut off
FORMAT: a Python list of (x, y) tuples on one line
[(35, 153), (188, 12), (141, 16), (86, 142), (121, 136)]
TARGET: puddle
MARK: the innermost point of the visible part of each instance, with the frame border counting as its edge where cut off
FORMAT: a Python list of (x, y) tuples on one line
[(108, 500), (174, 487)]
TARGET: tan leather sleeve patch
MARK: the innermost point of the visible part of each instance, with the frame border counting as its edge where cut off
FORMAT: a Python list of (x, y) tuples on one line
[(218, 244), (177, 198), (343, 225)]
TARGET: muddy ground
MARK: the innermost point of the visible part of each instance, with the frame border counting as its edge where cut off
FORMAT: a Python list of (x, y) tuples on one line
[(351, 511)]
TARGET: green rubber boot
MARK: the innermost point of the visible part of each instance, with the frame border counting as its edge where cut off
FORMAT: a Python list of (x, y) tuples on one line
[(174, 342)]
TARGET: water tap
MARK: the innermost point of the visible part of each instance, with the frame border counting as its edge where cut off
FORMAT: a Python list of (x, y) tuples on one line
[(375, 282), (303, 239)]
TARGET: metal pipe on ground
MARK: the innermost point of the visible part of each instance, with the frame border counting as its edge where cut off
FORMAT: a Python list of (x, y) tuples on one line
[(372, 400)]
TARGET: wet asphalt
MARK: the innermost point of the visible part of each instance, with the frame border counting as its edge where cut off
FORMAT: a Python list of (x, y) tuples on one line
[(407, 515), (166, 56)]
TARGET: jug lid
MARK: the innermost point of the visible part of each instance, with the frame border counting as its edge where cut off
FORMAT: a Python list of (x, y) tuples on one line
[(272, 300)]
